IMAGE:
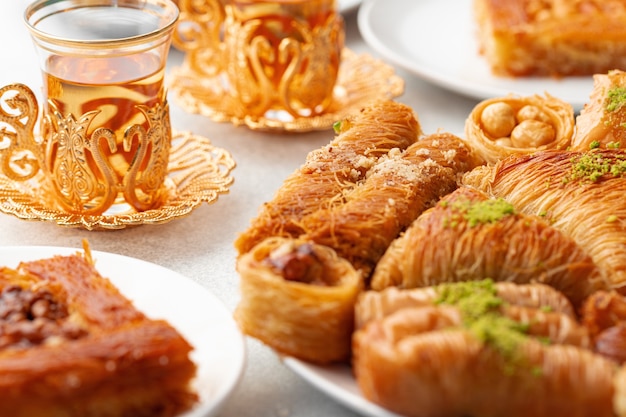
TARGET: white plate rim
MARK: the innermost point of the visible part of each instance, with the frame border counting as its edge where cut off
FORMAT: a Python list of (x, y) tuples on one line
[(346, 6), (337, 382), (220, 366), (381, 23)]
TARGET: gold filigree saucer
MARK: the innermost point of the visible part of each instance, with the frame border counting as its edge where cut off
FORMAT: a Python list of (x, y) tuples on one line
[(197, 172), (361, 79)]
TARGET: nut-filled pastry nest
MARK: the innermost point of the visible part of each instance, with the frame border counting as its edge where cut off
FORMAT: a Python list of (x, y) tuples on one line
[(502, 126), (535, 225)]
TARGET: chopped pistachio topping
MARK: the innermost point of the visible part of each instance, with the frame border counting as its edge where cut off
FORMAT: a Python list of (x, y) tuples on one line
[(479, 212), (337, 127), (592, 166), (479, 305), (615, 98), (613, 145)]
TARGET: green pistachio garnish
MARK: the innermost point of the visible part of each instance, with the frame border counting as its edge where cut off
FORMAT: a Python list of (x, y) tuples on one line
[(613, 145), (478, 212), (337, 127), (592, 166), (615, 98), (479, 305)]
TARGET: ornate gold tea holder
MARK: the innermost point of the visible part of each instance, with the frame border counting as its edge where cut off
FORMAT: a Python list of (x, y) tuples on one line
[(197, 172), (361, 78)]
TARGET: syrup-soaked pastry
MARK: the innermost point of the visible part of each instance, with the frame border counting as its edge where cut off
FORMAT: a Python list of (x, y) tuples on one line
[(555, 38), (579, 193), (471, 353), (516, 125), (469, 236), (72, 345), (372, 306), (298, 298), (604, 315), (619, 398), (395, 192), (602, 121), (362, 138)]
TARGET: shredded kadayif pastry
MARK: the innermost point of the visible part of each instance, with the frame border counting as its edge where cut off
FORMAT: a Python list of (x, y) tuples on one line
[(516, 125), (468, 236), (395, 192), (327, 172), (298, 298), (579, 193), (467, 349), (602, 122), (604, 314), (285, 303)]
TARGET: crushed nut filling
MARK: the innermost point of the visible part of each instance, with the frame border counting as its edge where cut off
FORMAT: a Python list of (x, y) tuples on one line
[(33, 317)]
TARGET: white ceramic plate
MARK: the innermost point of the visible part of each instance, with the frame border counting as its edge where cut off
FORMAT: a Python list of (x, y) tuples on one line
[(346, 6), (161, 293), (436, 40), (337, 382)]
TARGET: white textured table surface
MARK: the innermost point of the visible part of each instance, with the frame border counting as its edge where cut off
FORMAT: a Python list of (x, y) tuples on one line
[(200, 246)]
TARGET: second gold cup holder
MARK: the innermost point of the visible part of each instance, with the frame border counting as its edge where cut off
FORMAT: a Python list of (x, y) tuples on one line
[(361, 79)]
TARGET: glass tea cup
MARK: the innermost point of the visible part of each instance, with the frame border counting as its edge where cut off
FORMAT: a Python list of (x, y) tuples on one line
[(278, 58), (105, 127)]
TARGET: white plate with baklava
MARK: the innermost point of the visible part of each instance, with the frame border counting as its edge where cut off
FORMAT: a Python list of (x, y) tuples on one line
[(437, 41), (151, 301)]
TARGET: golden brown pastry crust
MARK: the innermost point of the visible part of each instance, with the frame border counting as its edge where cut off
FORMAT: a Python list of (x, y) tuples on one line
[(619, 399), (517, 125), (572, 191), (298, 298), (469, 236), (89, 352), (419, 360), (602, 121), (371, 305), (556, 38), (331, 170), (604, 315), (395, 192)]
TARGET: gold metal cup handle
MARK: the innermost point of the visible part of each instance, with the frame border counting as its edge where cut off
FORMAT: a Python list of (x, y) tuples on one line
[(199, 33), (79, 172), (274, 56)]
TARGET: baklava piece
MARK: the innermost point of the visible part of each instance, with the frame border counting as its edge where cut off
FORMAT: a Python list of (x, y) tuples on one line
[(71, 345), (581, 194), (553, 38), (518, 125), (468, 236), (602, 122), (478, 349), (298, 298)]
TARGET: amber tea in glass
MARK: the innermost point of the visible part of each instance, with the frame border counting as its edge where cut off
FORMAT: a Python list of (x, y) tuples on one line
[(105, 117)]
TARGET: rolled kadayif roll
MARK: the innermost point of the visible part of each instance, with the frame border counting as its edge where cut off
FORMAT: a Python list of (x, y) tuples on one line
[(468, 351), (328, 172), (298, 298)]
